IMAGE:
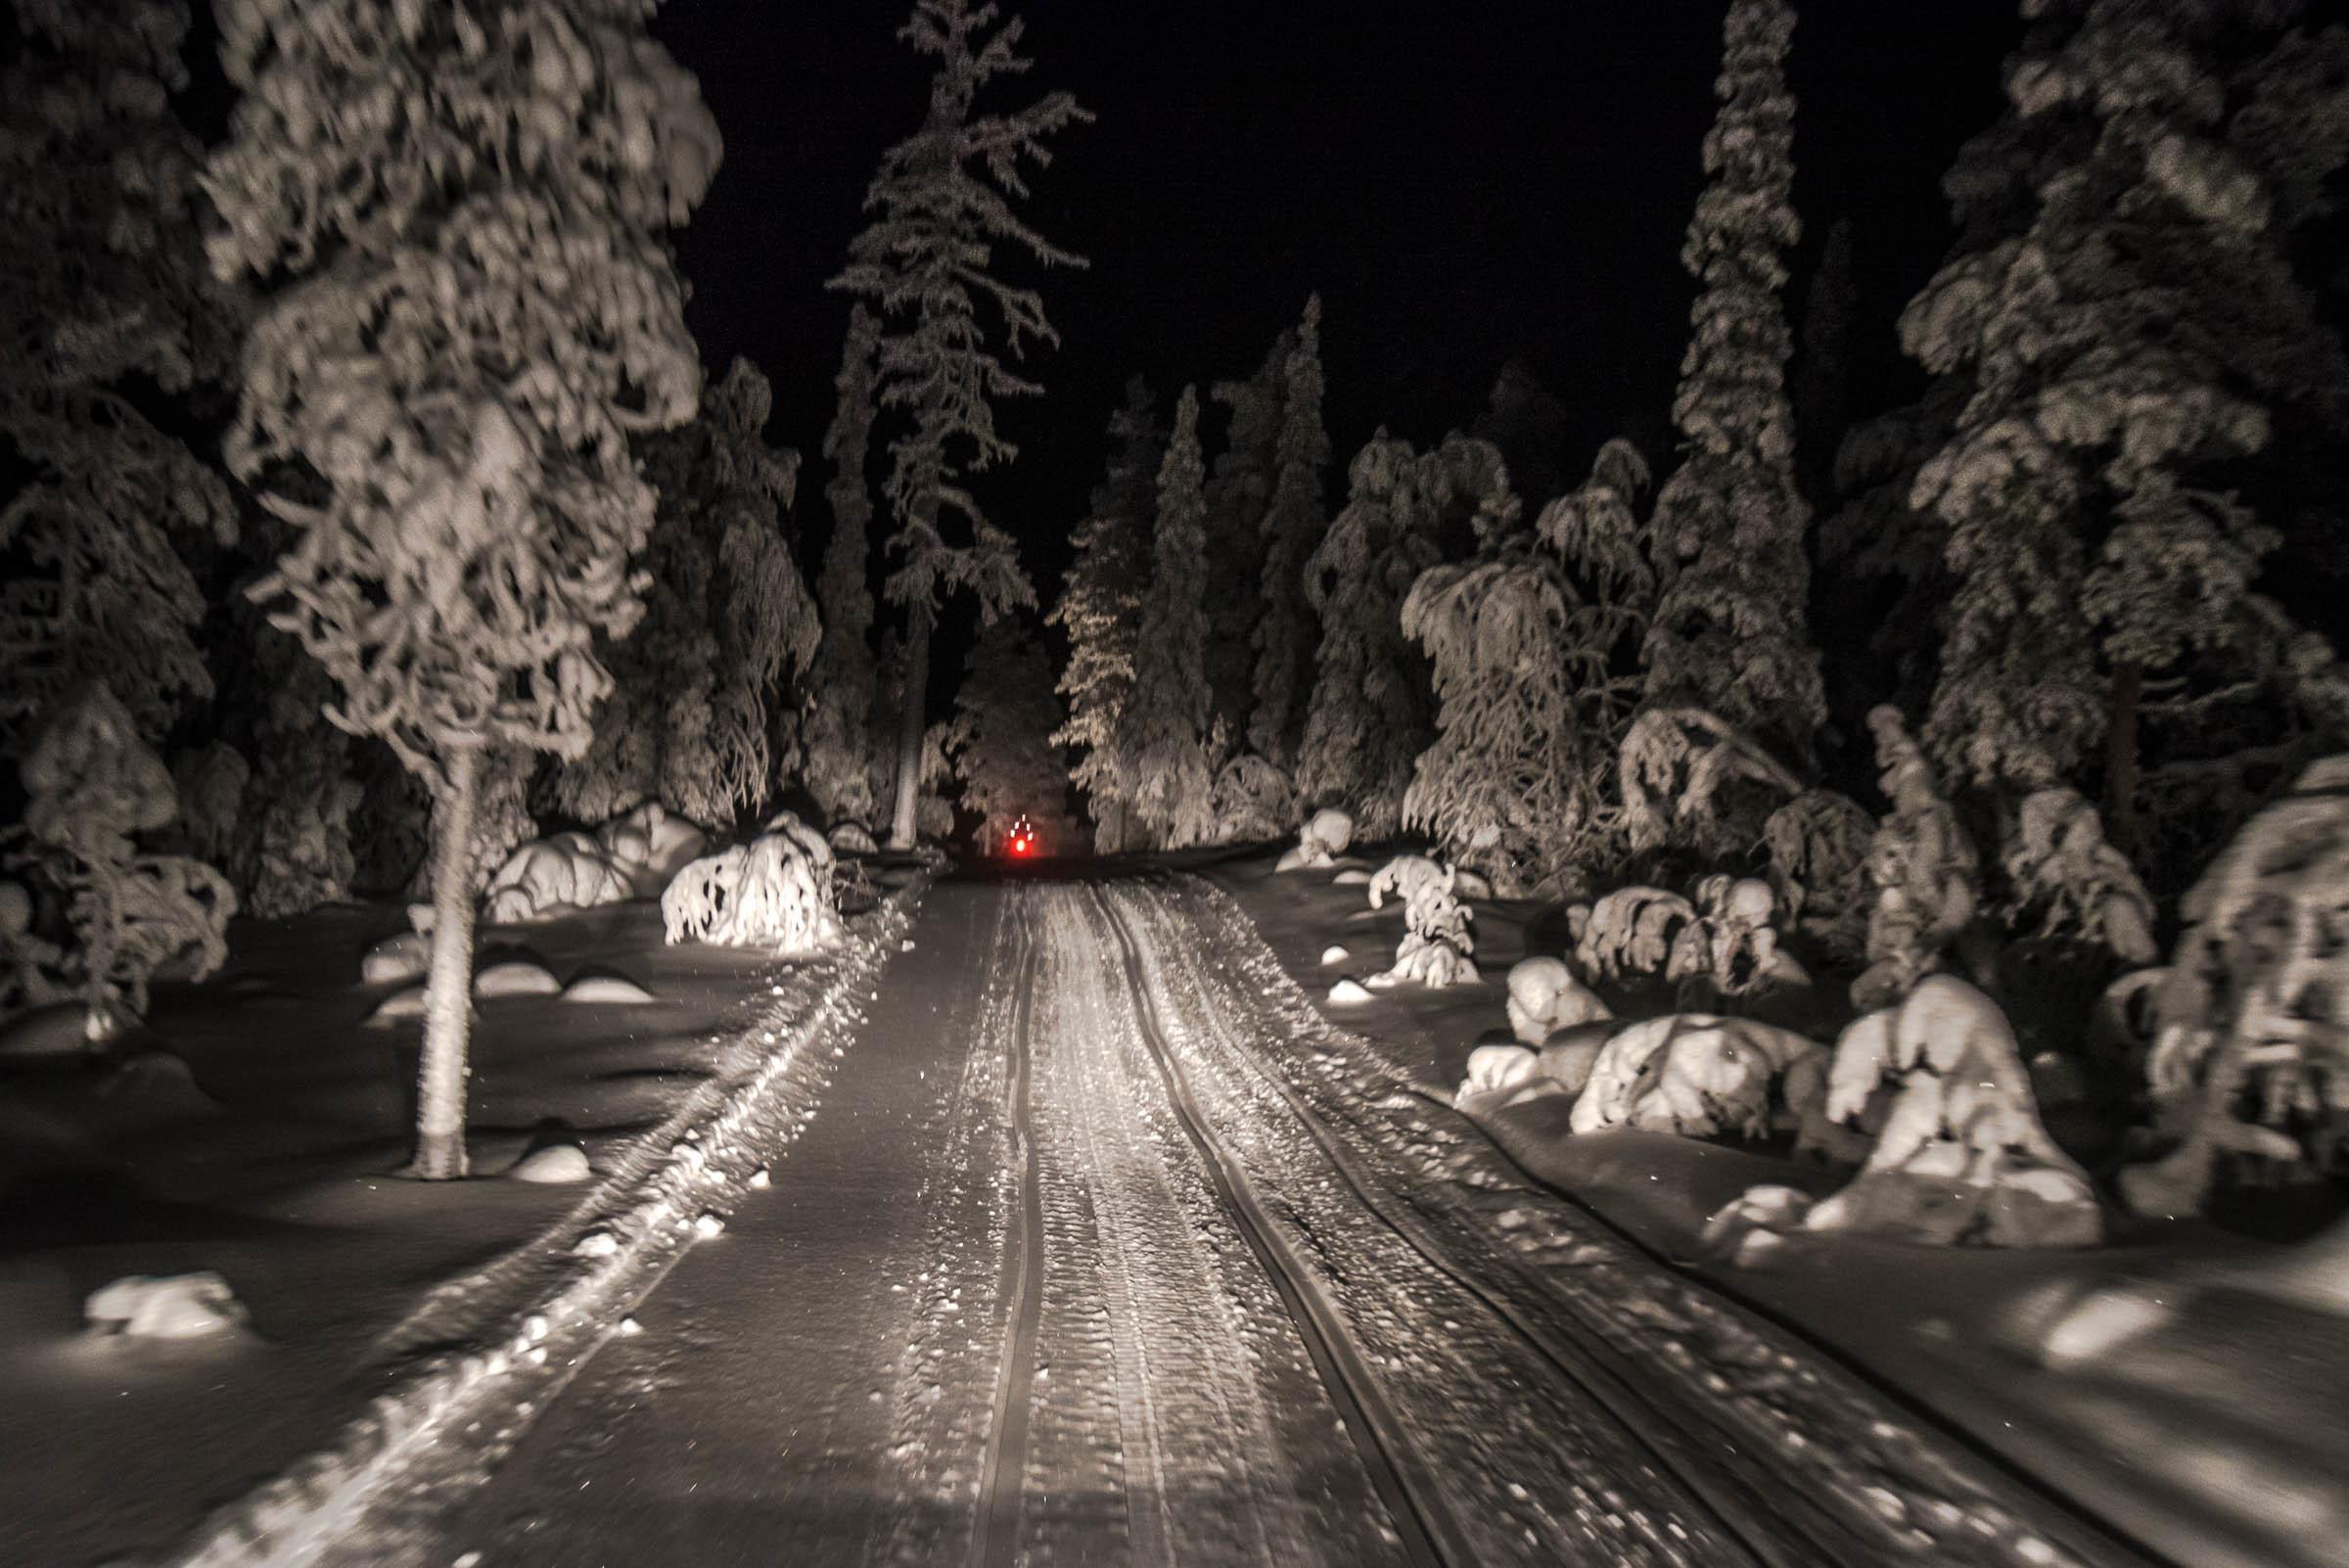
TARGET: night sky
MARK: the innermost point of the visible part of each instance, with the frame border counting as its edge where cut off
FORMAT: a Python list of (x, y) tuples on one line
[(1462, 184)]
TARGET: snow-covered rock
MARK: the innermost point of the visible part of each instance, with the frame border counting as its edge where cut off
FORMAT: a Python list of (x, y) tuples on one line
[(1545, 997), (1495, 1068), (1345, 992), (1962, 1158), (851, 838), (515, 977), (395, 959), (1334, 954), (556, 1163), (165, 1306), (605, 989)]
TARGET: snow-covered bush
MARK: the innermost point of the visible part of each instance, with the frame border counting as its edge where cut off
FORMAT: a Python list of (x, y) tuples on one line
[(92, 787), (1818, 843), (2250, 1060), (1254, 801), (1545, 997), (210, 781), (1923, 873), (1690, 778), (1700, 1075), (1630, 932), (649, 844), (552, 877), (2064, 880), (1327, 834), (1437, 948), (164, 1306), (1732, 949), (1962, 1158), (774, 892)]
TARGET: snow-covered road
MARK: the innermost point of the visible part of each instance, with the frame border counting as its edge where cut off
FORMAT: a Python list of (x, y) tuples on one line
[(1106, 1249)]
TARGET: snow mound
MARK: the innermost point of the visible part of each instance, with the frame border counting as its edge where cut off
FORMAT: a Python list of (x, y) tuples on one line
[(1473, 885), (1747, 1229), (515, 977), (1568, 1056), (1350, 879), (164, 1306), (158, 1084), (58, 1031), (649, 845), (406, 1002), (1334, 954), (1545, 997), (402, 957), (1326, 836), (605, 989), (1348, 992), (554, 1164)]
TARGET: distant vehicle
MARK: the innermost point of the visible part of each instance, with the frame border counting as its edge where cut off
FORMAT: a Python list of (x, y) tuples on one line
[(1022, 842)]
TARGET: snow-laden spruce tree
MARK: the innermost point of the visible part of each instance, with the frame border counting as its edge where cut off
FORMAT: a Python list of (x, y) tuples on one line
[(1162, 735), (1368, 721), (840, 684), (292, 849), (1527, 643), (1100, 608), (1285, 634), (939, 206), (1001, 737), (690, 719), (102, 289), (1239, 491), (1730, 635), (457, 211), (2135, 337)]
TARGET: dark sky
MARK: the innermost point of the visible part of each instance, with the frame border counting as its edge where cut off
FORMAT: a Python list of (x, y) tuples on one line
[(1463, 183)]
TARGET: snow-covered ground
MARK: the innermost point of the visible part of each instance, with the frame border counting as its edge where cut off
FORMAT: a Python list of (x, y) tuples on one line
[(259, 1148), (2208, 1425)]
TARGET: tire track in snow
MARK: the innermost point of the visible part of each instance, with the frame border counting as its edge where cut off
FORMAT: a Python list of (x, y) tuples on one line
[(995, 1539), (1415, 1500)]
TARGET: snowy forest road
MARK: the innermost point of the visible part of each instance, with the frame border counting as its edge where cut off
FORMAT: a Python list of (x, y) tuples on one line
[(1106, 1249)]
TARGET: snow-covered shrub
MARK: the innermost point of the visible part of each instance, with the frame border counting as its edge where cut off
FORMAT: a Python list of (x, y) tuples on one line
[(1690, 778), (2250, 1058), (2064, 880), (774, 892), (1923, 872), (210, 781), (1327, 834), (1632, 931), (650, 845), (1545, 997), (1962, 1158), (92, 787), (1254, 801), (1436, 948), (553, 877), (1496, 1070), (1732, 949), (1699, 1075), (1818, 843)]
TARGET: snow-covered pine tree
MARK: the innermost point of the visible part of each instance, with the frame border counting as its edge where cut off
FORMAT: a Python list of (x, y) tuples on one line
[(1730, 634), (102, 289), (1368, 721), (1512, 785), (471, 310), (1162, 735), (2138, 334), (1822, 371), (726, 618), (1285, 634), (1001, 737), (1239, 491), (840, 684), (1100, 608), (939, 204)]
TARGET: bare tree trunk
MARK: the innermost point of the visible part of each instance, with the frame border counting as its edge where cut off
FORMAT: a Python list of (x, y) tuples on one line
[(907, 821), (2121, 760), (447, 992)]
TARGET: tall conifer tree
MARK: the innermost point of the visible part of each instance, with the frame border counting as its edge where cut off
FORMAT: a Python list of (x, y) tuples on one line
[(1164, 734)]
